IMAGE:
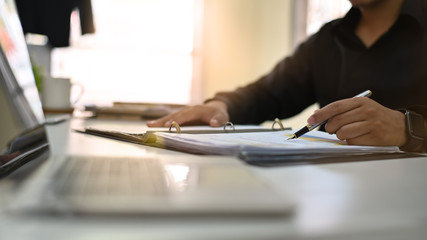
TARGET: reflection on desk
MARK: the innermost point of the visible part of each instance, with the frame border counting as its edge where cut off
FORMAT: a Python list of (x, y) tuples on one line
[(378, 199)]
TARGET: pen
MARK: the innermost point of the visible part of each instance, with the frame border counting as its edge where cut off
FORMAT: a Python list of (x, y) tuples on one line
[(309, 127)]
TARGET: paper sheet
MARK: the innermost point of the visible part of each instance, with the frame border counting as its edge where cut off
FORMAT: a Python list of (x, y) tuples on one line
[(264, 143)]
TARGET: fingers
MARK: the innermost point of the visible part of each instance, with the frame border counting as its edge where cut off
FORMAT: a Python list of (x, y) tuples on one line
[(158, 122), (218, 119), (367, 132), (364, 140), (361, 135), (335, 108), (353, 131), (214, 114), (187, 115), (165, 121), (352, 116)]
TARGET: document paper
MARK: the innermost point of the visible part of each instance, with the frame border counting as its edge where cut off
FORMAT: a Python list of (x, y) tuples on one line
[(265, 143)]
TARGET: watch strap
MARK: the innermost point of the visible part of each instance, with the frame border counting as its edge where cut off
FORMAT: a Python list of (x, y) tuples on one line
[(415, 130)]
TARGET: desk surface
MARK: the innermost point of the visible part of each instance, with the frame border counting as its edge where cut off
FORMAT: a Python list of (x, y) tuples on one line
[(384, 199)]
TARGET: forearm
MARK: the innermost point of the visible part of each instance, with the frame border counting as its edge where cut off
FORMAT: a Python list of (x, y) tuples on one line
[(283, 92)]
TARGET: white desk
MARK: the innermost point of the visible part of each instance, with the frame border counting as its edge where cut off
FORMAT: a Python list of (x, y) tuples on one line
[(359, 200)]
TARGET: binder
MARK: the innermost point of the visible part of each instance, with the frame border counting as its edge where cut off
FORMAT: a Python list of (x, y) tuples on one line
[(253, 144), (150, 137)]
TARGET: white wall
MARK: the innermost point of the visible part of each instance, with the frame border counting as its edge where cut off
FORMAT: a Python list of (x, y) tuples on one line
[(242, 40)]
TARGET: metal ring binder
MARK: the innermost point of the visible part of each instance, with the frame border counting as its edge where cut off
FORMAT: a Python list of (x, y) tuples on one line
[(176, 126), (278, 122), (228, 128), (229, 124)]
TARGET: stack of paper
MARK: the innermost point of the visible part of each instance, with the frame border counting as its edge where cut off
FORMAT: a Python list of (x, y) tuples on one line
[(271, 143), (252, 144)]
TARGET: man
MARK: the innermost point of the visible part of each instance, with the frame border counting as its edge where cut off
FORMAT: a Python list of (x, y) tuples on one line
[(379, 45)]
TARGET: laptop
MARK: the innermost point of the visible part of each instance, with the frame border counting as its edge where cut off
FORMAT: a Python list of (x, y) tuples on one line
[(22, 137), (98, 185)]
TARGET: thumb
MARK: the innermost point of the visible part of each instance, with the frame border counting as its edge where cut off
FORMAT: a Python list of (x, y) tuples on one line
[(218, 120)]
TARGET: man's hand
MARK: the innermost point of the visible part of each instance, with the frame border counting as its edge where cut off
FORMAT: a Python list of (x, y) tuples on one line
[(213, 113), (362, 121)]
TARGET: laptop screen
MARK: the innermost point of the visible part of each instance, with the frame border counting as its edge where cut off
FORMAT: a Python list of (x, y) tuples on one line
[(21, 118)]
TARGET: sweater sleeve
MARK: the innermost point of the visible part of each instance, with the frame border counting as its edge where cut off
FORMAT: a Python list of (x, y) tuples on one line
[(282, 93)]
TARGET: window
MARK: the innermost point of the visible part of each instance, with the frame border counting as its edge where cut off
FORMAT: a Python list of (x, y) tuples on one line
[(310, 15), (142, 51), (320, 12)]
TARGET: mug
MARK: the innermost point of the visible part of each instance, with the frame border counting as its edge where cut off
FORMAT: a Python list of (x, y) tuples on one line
[(56, 93)]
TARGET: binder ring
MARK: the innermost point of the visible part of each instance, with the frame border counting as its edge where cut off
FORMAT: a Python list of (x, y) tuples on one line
[(229, 124), (278, 122), (176, 126)]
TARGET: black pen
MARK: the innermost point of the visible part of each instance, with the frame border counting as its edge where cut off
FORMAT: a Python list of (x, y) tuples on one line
[(309, 127)]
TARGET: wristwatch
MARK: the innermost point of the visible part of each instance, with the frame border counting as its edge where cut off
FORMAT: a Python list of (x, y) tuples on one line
[(415, 130)]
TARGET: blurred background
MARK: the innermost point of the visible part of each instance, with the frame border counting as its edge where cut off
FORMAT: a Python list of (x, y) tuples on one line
[(180, 51)]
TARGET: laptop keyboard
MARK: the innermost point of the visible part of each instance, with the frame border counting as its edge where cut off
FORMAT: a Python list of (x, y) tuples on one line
[(132, 186), (109, 177)]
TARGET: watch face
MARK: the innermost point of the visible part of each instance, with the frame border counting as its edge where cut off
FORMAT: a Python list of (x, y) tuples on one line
[(417, 125)]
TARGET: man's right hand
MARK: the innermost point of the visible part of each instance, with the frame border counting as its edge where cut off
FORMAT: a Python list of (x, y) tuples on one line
[(213, 113)]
